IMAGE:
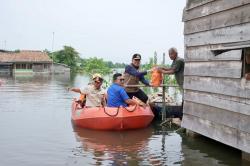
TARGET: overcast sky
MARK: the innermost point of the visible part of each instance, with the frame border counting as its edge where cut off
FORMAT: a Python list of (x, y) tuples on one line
[(109, 29)]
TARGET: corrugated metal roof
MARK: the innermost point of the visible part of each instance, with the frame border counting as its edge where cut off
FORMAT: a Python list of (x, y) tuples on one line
[(25, 56)]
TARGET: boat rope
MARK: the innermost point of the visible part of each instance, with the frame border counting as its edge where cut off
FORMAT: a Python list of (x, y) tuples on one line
[(117, 111), (105, 111), (132, 109)]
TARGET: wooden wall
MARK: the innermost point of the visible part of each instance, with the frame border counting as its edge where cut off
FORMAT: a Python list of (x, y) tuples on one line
[(216, 93)]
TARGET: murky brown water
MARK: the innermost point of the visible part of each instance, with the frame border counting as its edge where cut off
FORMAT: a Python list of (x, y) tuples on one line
[(36, 130)]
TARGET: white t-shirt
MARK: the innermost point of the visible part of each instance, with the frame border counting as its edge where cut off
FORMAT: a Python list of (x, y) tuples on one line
[(94, 96)]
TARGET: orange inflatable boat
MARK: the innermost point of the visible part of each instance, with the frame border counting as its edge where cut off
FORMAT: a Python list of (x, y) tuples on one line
[(107, 118)]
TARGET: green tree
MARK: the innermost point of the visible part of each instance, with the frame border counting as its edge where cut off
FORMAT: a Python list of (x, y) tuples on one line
[(109, 64), (95, 65), (68, 55), (47, 52)]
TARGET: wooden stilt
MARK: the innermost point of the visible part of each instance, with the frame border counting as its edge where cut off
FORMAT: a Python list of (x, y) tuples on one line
[(245, 156), (192, 133)]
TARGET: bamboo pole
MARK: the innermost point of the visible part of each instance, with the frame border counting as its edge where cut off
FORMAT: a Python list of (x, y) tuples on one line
[(163, 94)]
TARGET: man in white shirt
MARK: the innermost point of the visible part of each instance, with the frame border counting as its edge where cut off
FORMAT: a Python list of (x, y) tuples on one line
[(94, 93)]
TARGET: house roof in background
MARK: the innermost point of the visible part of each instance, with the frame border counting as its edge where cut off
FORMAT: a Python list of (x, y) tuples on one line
[(24, 56)]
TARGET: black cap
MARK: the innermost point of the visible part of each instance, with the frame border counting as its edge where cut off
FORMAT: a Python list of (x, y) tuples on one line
[(136, 56)]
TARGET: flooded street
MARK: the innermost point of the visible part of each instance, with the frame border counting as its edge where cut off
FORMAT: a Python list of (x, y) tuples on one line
[(36, 130)]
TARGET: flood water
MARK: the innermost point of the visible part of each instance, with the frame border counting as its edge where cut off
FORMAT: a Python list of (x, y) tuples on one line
[(36, 130)]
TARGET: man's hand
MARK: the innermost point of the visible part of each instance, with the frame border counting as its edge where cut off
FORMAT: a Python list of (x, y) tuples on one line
[(144, 105), (150, 70), (149, 85), (131, 102), (160, 69)]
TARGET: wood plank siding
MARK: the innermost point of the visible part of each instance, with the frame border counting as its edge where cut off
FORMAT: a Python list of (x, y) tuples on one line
[(225, 69), (216, 92)]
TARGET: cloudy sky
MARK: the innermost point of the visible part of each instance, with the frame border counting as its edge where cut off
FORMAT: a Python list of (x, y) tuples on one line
[(110, 29)]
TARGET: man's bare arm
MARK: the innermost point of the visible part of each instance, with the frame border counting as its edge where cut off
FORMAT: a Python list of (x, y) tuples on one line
[(131, 102), (77, 90), (171, 71), (165, 70)]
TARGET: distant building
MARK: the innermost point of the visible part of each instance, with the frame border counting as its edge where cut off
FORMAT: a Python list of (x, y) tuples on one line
[(27, 62), (59, 68)]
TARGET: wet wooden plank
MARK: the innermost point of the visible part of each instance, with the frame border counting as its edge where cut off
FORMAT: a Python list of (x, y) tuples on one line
[(234, 104), (225, 86), (205, 54), (244, 141), (222, 69), (205, 9), (238, 33), (207, 128), (221, 133), (245, 156), (219, 116), (227, 18)]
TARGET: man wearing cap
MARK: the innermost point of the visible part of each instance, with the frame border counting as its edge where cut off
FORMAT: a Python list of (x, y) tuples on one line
[(133, 76), (95, 95), (177, 66)]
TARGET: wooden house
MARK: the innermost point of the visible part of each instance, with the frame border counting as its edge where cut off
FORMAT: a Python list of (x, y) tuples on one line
[(217, 67), (24, 61)]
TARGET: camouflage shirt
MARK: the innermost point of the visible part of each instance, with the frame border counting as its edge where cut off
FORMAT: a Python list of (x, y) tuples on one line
[(94, 96)]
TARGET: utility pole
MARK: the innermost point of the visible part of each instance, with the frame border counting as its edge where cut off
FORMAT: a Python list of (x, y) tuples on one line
[(53, 37), (155, 58), (52, 52), (5, 43)]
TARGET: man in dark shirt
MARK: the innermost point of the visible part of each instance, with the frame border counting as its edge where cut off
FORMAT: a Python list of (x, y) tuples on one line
[(133, 76), (177, 66)]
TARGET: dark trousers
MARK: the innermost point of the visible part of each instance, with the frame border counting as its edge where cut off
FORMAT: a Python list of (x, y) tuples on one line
[(140, 95)]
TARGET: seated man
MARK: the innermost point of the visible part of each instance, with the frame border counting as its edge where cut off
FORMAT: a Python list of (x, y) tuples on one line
[(95, 95), (117, 95)]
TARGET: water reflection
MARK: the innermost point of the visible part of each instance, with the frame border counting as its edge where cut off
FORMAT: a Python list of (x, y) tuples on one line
[(204, 151), (136, 147), (118, 147)]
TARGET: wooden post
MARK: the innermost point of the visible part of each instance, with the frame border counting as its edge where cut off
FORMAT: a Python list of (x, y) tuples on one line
[(163, 94), (246, 156), (191, 133)]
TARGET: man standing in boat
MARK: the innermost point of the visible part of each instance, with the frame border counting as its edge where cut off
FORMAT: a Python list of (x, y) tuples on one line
[(117, 95), (94, 93), (133, 76)]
